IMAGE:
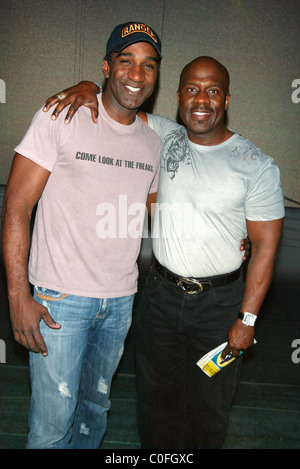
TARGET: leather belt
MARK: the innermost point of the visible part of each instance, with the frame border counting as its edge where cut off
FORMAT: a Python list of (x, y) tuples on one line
[(192, 285)]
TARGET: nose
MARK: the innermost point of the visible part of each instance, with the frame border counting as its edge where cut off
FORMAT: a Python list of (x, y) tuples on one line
[(136, 73), (201, 97)]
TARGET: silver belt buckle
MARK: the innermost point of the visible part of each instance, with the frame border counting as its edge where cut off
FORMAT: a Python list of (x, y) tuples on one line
[(191, 281)]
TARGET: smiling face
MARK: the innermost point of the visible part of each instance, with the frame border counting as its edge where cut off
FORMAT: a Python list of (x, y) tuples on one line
[(131, 76), (203, 97)]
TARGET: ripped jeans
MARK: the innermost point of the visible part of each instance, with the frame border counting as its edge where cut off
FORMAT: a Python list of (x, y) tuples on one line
[(71, 386)]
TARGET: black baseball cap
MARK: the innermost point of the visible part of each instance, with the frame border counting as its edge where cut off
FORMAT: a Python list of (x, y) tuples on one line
[(129, 33)]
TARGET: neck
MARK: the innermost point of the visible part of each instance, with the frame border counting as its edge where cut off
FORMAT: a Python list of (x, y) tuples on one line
[(211, 138), (121, 115)]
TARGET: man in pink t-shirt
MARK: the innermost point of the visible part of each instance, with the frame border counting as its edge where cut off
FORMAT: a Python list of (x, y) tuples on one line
[(91, 184)]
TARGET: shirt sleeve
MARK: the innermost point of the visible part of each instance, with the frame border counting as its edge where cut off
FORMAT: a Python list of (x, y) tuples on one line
[(161, 125), (264, 199), (39, 142)]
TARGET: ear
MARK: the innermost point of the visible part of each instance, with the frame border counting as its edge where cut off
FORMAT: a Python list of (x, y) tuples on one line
[(105, 68), (227, 99), (178, 97)]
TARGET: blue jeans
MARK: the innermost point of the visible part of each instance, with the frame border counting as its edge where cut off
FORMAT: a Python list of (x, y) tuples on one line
[(71, 386)]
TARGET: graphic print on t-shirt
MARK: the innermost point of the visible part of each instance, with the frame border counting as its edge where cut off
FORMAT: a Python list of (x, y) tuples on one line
[(107, 160), (175, 151)]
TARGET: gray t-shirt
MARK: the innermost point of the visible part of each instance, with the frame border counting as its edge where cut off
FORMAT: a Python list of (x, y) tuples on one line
[(205, 196)]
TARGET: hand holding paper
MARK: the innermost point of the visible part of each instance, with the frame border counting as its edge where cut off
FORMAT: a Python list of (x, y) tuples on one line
[(212, 362)]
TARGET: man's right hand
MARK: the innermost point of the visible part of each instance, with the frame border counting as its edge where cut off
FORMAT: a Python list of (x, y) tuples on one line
[(82, 94), (25, 318)]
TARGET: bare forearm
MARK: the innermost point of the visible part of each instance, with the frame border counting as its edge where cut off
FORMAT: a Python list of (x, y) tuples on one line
[(265, 237), (15, 247), (25, 312), (259, 275), (258, 280), (25, 186)]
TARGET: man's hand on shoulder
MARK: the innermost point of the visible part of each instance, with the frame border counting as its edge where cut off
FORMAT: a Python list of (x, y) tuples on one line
[(82, 94), (245, 247)]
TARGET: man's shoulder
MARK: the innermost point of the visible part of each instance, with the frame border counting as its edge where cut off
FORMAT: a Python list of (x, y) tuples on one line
[(163, 121), (166, 128), (246, 150), (148, 134)]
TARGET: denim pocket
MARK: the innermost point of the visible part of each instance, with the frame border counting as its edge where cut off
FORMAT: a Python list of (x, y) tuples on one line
[(49, 295)]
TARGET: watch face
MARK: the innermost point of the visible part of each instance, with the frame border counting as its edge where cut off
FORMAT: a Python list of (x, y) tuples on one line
[(249, 320)]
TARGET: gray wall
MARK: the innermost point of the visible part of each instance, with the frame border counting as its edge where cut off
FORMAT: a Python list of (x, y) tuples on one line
[(47, 45)]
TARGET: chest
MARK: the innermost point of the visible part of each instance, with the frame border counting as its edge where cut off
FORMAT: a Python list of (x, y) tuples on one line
[(214, 182), (98, 154)]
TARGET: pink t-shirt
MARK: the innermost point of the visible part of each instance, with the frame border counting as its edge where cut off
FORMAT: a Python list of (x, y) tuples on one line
[(88, 225)]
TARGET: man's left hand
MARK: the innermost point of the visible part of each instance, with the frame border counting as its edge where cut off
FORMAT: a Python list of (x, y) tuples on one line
[(240, 337)]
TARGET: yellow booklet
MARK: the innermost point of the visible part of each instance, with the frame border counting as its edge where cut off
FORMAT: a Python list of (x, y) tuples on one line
[(212, 362)]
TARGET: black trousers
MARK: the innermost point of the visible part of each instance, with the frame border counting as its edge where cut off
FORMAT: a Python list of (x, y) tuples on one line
[(178, 405)]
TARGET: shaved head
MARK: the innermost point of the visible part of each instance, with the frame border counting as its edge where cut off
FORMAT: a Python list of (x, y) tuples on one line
[(203, 98), (204, 62)]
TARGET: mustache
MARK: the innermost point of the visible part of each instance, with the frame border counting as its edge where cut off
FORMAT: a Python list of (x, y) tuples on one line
[(201, 109)]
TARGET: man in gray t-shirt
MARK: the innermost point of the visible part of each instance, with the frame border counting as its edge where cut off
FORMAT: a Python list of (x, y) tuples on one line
[(214, 187), (217, 186), (206, 195)]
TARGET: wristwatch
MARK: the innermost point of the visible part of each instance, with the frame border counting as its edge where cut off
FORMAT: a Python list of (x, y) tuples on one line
[(247, 318)]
